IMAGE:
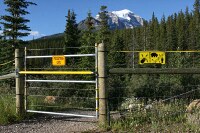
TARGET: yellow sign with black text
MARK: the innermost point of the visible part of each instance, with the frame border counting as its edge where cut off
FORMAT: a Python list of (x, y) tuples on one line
[(58, 60), (146, 57)]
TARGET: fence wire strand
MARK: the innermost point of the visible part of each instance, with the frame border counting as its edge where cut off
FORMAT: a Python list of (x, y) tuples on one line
[(3, 64), (8, 76)]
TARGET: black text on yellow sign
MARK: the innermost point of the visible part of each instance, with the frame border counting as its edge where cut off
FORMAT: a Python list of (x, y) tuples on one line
[(58, 60), (157, 57)]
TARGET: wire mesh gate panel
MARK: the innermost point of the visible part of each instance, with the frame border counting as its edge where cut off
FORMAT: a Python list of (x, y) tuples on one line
[(69, 90)]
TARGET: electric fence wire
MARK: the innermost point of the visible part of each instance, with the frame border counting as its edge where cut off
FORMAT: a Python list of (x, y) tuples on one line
[(3, 64), (170, 51), (8, 76)]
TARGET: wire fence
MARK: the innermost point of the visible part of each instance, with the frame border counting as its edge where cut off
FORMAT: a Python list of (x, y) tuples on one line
[(7, 76), (159, 94), (7, 93), (138, 102), (7, 63)]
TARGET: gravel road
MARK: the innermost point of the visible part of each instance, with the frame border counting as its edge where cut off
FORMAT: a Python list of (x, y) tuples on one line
[(52, 124)]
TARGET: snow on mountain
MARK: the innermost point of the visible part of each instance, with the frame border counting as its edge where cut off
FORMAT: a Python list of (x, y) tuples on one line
[(123, 19), (124, 14)]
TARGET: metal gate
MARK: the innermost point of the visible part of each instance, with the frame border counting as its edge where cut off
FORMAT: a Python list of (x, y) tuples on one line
[(29, 80)]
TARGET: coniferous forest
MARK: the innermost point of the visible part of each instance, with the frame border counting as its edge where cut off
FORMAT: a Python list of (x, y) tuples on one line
[(177, 32), (144, 102)]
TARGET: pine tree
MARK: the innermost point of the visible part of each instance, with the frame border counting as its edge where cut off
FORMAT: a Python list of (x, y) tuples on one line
[(196, 22), (162, 38), (71, 34), (88, 36), (103, 33), (1, 46), (88, 40), (171, 33), (14, 23), (1, 36), (153, 35), (180, 31), (188, 18)]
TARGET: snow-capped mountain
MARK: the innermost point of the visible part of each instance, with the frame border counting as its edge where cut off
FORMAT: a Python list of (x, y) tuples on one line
[(123, 19), (128, 18)]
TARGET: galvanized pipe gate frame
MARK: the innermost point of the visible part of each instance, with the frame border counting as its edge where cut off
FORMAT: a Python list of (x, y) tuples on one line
[(25, 72)]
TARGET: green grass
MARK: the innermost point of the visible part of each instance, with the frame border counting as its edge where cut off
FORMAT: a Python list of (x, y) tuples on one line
[(169, 117), (7, 110)]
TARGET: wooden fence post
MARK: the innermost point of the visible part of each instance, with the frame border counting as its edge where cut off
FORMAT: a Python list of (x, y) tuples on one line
[(102, 77), (19, 82)]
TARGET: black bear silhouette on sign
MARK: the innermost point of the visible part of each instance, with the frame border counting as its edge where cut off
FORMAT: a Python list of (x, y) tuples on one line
[(154, 55)]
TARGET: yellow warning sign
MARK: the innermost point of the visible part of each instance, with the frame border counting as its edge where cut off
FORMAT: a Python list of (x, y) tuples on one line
[(157, 57), (144, 57), (58, 60)]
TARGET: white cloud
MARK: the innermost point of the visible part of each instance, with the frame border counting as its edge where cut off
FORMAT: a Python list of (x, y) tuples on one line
[(34, 33), (42, 34)]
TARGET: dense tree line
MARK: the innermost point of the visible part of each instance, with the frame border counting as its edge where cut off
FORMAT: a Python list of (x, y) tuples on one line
[(179, 31), (14, 27)]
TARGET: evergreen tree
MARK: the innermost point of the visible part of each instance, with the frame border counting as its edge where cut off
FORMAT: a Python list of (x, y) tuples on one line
[(1, 36), (103, 33), (196, 22), (88, 43), (153, 34), (1, 49), (88, 36), (162, 38), (71, 34), (188, 18), (14, 23), (180, 32), (171, 33)]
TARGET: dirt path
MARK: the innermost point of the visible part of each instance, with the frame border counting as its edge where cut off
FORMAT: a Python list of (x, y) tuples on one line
[(52, 124)]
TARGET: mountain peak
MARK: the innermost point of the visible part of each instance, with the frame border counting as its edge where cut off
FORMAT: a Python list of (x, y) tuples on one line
[(122, 12), (122, 19)]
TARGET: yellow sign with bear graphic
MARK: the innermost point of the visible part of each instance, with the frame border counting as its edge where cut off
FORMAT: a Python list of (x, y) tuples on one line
[(146, 57)]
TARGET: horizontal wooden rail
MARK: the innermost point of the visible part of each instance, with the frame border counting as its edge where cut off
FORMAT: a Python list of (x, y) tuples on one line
[(155, 71), (57, 72)]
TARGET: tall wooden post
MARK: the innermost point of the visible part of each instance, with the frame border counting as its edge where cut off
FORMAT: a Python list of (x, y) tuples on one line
[(102, 77), (19, 83)]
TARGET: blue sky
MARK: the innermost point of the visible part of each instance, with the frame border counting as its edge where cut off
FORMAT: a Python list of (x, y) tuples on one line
[(48, 17)]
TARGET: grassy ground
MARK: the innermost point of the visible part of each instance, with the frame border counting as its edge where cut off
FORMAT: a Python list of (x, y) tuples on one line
[(161, 118), (7, 110)]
